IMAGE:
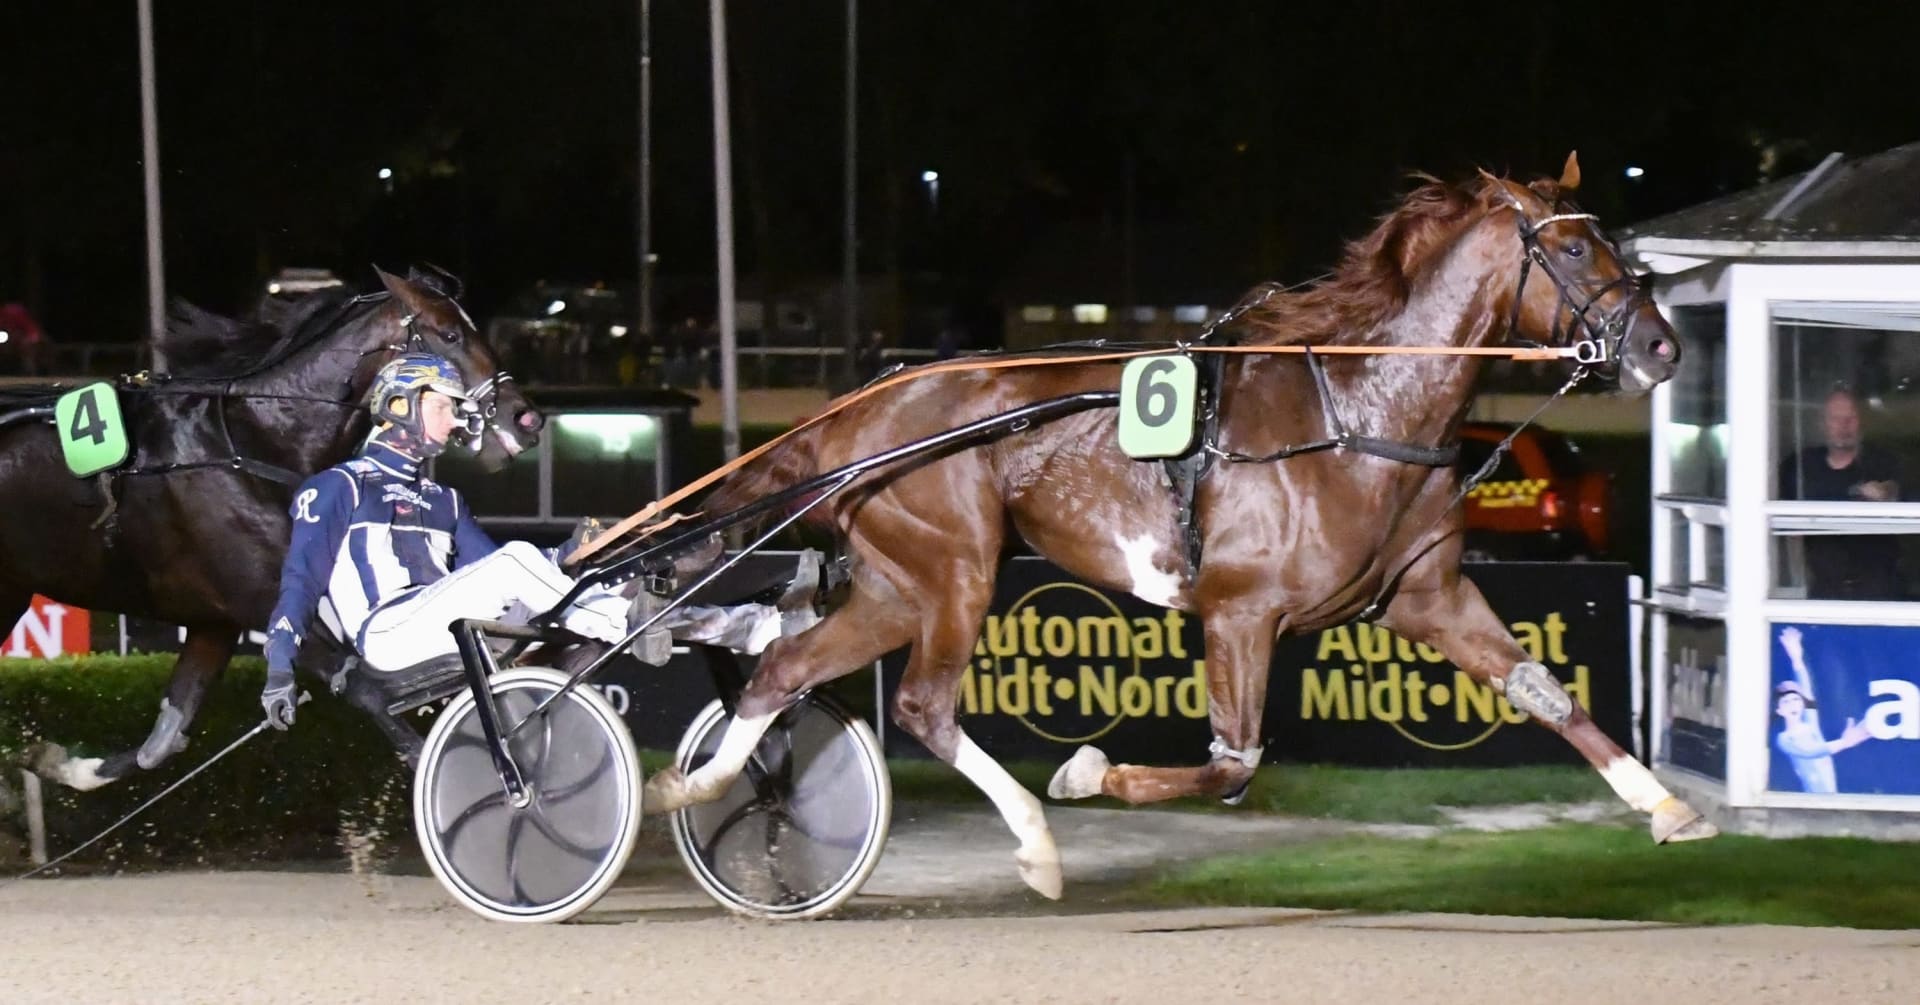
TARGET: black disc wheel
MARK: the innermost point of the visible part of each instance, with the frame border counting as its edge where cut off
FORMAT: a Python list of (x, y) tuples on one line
[(551, 858)]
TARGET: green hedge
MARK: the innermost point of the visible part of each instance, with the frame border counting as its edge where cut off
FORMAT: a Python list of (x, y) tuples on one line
[(281, 795)]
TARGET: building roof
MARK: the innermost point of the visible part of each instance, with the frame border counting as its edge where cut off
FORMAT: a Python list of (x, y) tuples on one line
[(1866, 206)]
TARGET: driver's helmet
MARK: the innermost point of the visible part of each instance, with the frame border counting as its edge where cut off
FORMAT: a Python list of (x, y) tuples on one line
[(395, 395)]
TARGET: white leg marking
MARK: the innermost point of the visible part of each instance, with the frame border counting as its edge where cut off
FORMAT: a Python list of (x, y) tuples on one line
[(1149, 582), (1634, 783), (669, 790), (1081, 776), (1038, 856), (80, 773)]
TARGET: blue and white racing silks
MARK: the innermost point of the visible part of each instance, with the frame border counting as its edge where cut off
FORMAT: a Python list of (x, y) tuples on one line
[(367, 533)]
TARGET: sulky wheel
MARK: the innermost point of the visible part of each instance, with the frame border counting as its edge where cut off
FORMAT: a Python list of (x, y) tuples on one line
[(803, 827), (551, 859)]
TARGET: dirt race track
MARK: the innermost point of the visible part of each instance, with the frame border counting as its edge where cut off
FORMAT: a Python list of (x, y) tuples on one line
[(325, 935)]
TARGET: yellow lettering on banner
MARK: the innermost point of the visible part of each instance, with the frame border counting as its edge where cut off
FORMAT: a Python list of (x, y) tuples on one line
[(1323, 697), (1376, 644), (1176, 643), (1098, 691), (1104, 638), (1030, 630), (1136, 697), (1528, 635), (1383, 695), (999, 637), (1042, 690), (1146, 638), (1056, 635), (1472, 699), (1336, 643), (1556, 638)]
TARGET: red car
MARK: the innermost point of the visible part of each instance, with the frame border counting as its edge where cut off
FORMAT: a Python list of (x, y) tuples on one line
[(1543, 502)]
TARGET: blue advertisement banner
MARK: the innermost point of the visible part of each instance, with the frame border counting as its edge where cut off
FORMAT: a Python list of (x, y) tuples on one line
[(1844, 709)]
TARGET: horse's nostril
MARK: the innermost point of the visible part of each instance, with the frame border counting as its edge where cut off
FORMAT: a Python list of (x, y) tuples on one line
[(530, 421), (1661, 348)]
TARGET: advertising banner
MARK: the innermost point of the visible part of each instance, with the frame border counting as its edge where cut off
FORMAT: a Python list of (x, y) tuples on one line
[(1696, 683), (1059, 663), (1844, 709), (47, 630)]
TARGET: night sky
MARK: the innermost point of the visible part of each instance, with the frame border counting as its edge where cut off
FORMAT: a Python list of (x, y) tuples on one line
[(1245, 140)]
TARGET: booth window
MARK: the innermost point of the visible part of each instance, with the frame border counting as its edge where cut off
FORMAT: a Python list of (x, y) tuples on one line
[(1697, 430), (1844, 443), (603, 464)]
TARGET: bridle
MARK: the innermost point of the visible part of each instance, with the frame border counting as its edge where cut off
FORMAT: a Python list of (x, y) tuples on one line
[(484, 394), (1600, 334), (484, 397)]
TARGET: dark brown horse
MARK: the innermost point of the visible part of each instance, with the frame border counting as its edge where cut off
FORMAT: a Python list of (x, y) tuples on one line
[(1290, 546), (193, 541)]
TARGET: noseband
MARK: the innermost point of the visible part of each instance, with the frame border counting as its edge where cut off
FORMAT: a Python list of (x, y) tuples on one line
[(1600, 333)]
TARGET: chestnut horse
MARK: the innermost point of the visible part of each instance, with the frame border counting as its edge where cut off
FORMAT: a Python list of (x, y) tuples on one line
[(1289, 546)]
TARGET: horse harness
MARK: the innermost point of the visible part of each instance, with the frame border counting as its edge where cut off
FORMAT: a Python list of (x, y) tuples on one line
[(1187, 471), (1599, 342), (485, 394)]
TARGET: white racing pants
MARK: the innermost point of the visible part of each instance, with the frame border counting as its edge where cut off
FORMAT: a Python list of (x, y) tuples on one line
[(519, 580)]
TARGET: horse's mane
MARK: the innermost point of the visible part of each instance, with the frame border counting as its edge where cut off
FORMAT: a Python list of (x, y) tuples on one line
[(200, 343), (1376, 272)]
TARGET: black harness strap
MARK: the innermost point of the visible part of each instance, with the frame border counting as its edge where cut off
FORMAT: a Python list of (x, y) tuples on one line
[(1184, 473)]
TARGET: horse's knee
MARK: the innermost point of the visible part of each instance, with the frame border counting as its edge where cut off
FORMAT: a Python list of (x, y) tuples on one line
[(1533, 689), (935, 731)]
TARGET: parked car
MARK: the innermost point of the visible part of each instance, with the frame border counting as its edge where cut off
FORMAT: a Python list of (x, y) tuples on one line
[(1543, 501)]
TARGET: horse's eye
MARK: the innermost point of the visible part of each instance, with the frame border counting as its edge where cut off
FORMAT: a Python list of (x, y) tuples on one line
[(451, 336), (1576, 249)]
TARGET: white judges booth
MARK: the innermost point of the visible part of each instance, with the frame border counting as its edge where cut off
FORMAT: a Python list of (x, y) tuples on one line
[(1785, 590)]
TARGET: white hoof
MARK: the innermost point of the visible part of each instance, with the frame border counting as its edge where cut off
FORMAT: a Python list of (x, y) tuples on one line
[(1040, 869), (80, 773), (1675, 821), (1081, 776)]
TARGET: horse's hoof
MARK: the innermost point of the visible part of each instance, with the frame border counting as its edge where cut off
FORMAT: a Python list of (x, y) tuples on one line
[(1040, 869), (665, 792), (1081, 776), (1675, 821), (81, 774)]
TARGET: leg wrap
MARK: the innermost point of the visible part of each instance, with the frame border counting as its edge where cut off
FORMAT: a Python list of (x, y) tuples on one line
[(1533, 689), (1219, 749), (165, 740)]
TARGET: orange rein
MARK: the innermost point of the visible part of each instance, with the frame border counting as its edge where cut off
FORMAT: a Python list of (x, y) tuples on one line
[(595, 543)]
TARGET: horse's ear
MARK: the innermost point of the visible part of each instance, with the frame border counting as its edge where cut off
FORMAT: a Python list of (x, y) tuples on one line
[(1509, 192), (414, 298), (1570, 174)]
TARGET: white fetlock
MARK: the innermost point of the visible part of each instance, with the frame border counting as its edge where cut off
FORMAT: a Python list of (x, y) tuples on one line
[(1081, 776), (1040, 869)]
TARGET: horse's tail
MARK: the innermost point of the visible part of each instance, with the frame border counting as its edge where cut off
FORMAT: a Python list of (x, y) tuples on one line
[(790, 462)]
